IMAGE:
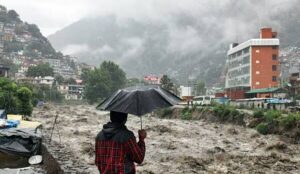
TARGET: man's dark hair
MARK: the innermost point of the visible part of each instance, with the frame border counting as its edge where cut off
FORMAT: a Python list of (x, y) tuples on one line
[(118, 117)]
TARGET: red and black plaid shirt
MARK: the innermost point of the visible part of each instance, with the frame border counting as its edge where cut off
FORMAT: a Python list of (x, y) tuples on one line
[(117, 158)]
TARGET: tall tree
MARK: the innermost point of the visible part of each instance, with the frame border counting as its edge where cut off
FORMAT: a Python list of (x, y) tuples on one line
[(25, 101), (59, 79), (102, 82), (166, 83), (13, 15), (97, 86), (8, 100), (116, 74), (15, 99), (40, 70), (200, 88)]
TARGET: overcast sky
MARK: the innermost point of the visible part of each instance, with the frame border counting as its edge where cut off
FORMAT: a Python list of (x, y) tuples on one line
[(52, 15)]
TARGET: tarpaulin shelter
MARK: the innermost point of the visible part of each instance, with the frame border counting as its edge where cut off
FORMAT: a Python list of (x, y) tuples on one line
[(23, 142)]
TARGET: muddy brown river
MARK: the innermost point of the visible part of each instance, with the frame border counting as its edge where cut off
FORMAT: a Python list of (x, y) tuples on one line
[(172, 145)]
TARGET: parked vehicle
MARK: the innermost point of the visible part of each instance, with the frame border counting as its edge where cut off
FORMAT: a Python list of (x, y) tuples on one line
[(203, 100)]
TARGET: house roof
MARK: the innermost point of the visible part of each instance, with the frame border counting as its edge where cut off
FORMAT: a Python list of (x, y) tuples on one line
[(264, 90)]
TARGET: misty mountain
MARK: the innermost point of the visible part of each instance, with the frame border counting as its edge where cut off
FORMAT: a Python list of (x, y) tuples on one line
[(183, 44)]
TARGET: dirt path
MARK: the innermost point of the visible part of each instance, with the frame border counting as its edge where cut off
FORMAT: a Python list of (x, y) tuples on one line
[(176, 146)]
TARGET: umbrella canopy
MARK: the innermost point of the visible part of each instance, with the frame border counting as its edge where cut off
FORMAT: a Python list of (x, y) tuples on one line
[(139, 100)]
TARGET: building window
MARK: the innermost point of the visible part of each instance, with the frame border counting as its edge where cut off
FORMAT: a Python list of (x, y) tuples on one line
[(274, 57), (246, 50), (257, 61), (274, 47), (257, 72), (257, 83), (274, 68), (246, 59), (257, 51), (274, 78)]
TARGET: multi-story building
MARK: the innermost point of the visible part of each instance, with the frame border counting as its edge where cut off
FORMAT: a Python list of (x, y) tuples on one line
[(253, 64)]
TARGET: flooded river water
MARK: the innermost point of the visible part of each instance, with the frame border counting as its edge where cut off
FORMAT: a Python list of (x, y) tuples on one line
[(173, 146)]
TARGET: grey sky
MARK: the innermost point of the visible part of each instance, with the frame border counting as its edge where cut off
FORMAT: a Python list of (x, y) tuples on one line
[(52, 15)]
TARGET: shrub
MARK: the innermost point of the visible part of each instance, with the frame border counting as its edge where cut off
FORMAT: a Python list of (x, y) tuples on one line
[(225, 112), (186, 113), (258, 114), (234, 113), (290, 121), (165, 113), (272, 115), (262, 128), (24, 103), (186, 116)]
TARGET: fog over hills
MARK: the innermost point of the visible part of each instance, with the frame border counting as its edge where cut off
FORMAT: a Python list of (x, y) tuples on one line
[(187, 40)]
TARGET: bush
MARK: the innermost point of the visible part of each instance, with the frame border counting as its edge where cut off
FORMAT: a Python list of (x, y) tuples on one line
[(186, 116), (258, 114), (164, 113), (262, 128), (225, 112), (24, 103), (290, 121), (186, 113), (271, 116)]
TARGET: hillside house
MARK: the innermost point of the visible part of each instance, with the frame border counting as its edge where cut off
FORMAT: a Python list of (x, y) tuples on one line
[(3, 71)]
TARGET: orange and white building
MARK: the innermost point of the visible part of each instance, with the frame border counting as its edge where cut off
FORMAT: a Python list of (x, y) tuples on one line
[(253, 65)]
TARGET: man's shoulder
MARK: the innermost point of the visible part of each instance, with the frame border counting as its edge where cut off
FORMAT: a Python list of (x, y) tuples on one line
[(124, 135)]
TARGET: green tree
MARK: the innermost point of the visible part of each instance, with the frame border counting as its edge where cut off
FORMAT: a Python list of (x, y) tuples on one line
[(40, 70), (71, 81), (12, 46), (3, 14), (59, 79), (14, 99), (13, 15), (116, 74), (8, 100), (102, 82), (166, 83), (34, 30), (97, 86), (25, 101), (85, 74), (200, 88)]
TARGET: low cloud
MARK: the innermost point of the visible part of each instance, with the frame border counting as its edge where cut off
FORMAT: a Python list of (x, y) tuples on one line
[(75, 49)]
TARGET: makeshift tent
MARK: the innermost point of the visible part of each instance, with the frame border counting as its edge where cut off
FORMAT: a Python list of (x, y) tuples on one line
[(23, 142)]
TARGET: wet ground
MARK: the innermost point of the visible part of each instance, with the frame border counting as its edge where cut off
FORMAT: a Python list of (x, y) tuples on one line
[(173, 146)]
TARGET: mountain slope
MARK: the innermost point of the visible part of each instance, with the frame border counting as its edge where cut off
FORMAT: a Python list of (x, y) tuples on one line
[(183, 44), (17, 36)]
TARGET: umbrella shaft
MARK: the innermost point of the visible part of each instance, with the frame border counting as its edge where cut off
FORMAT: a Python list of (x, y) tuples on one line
[(141, 122)]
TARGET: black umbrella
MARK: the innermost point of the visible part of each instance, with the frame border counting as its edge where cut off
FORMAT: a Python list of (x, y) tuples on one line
[(139, 100)]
